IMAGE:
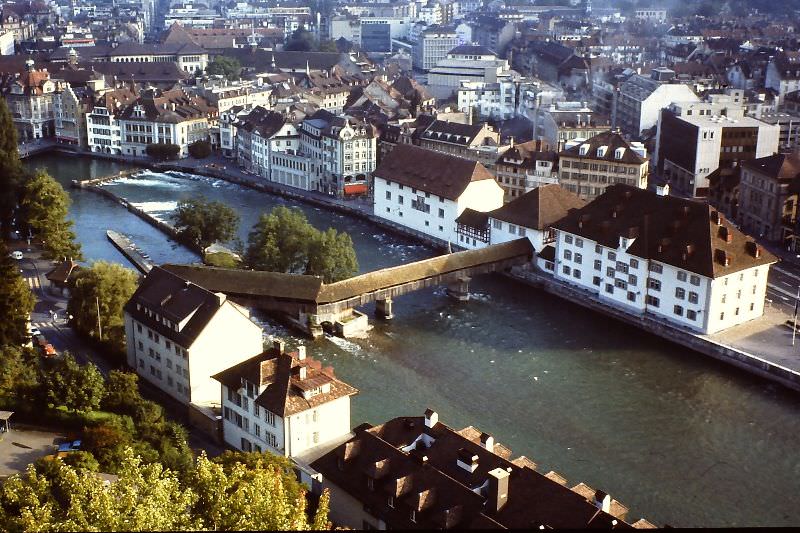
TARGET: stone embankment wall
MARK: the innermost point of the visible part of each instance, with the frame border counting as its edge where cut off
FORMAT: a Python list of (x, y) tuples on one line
[(699, 343)]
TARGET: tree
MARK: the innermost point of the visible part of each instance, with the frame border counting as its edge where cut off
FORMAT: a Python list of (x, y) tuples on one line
[(332, 256), (163, 151), (107, 286), (45, 207), (19, 379), (200, 149), (16, 301), (150, 497), (203, 223), (301, 40), (11, 171), (122, 392), (76, 387), (225, 66), (279, 241)]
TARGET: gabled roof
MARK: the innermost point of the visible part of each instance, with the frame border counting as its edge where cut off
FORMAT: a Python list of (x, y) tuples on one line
[(612, 141), (176, 300), (540, 208), (266, 122), (280, 373), (434, 172), (452, 132), (686, 234), (783, 167)]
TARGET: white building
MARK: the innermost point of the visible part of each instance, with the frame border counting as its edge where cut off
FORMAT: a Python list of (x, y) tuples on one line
[(168, 117), (783, 74), (341, 152), (432, 46), (6, 43), (179, 335), (641, 99), (695, 140), (652, 15), (426, 191), (530, 216), (468, 63), (670, 258), (282, 403)]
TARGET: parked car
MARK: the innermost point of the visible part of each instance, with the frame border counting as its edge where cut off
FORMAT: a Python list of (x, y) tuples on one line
[(16, 254), (72, 446), (35, 332), (49, 351)]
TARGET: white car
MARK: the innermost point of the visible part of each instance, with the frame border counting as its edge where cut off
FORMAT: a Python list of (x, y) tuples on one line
[(16, 254), (35, 332)]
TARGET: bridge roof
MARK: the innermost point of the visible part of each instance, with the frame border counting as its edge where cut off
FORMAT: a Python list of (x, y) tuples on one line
[(312, 289)]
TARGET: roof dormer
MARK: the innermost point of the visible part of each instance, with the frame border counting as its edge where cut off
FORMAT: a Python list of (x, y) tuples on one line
[(619, 152)]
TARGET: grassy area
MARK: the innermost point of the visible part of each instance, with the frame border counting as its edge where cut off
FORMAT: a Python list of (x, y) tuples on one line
[(60, 418), (222, 260)]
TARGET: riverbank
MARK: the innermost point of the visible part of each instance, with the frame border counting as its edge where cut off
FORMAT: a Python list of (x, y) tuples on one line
[(767, 366), (770, 366)]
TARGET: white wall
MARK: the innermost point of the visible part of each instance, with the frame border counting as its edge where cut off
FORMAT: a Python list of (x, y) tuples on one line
[(744, 294), (229, 338), (268, 426), (662, 97), (313, 427)]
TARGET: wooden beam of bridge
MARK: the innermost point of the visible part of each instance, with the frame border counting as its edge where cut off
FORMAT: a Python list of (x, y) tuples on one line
[(298, 292)]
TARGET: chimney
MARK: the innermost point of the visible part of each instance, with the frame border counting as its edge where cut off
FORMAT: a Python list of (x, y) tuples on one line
[(279, 346), (498, 490), (301, 353), (431, 418), (220, 298), (602, 501), (467, 460), (303, 372), (487, 441)]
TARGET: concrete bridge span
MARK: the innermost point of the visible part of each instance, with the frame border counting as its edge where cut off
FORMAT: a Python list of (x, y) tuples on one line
[(309, 302)]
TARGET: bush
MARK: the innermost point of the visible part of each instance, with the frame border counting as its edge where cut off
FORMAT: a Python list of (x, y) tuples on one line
[(222, 260), (200, 149), (163, 151)]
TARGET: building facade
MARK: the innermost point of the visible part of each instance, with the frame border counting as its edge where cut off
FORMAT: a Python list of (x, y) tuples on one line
[(768, 196), (179, 335)]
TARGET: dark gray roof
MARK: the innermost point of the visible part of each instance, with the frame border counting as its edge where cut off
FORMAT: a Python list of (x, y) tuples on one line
[(175, 299), (540, 208), (469, 49), (613, 141)]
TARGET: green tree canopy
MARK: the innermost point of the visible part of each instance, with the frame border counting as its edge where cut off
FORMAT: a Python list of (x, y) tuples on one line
[(332, 256), (107, 286), (200, 149), (203, 223), (16, 301), (78, 388), (163, 151), (284, 241), (11, 171), (225, 66), (150, 497), (45, 207), (122, 392), (19, 380)]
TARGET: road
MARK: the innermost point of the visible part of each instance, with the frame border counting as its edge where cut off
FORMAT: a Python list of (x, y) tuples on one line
[(63, 338)]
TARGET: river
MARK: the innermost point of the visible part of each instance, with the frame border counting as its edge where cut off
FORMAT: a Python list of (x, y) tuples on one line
[(679, 438)]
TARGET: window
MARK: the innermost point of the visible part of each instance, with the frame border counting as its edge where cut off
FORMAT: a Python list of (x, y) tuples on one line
[(577, 273), (678, 310), (578, 258), (568, 239), (579, 242), (634, 263), (691, 315), (652, 300), (568, 254), (680, 293), (655, 267), (722, 316), (620, 284), (566, 270), (388, 195), (270, 417), (598, 249), (141, 346), (596, 280), (156, 338), (736, 312), (694, 280), (257, 430), (693, 298), (400, 199), (141, 363), (631, 296), (621, 267), (149, 334), (653, 284), (632, 279), (139, 328), (612, 256), (441, 213), (610, 272), (681, 275), (609, 288), (598, 264), (497, 224), (752, 306), (168, 344)]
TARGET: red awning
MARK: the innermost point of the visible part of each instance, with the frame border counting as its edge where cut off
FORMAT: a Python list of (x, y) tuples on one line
[(355, 188)]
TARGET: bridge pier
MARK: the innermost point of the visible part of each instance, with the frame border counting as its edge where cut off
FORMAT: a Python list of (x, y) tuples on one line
[(314, 327), (383, 309), (459, 289)]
